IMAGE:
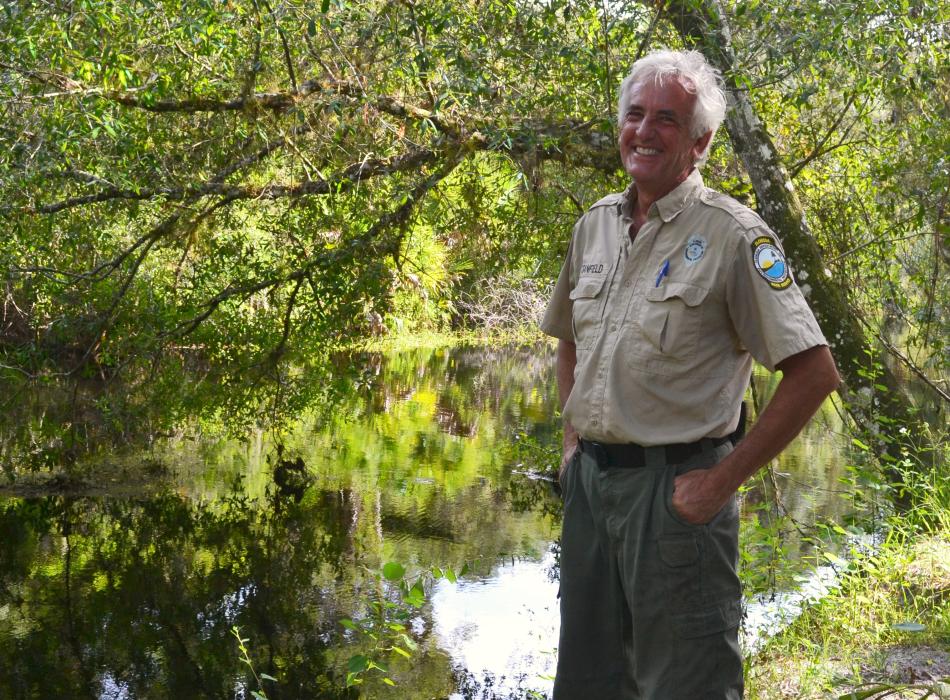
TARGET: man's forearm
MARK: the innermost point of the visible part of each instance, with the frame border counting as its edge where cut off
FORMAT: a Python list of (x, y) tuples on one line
[(566, 362), (807, 379)]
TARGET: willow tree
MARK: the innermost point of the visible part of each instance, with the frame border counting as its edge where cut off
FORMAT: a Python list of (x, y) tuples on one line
[(246, 182)]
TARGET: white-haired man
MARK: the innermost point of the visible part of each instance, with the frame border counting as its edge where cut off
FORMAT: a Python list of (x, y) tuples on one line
[(668, 292)]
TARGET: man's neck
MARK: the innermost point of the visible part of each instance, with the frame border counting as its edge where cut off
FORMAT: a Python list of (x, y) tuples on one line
[(645, 199)]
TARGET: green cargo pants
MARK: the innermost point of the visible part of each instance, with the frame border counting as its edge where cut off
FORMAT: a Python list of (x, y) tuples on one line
[(650, 604)]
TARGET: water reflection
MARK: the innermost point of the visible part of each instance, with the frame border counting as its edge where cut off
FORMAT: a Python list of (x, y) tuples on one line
[(428, 459)]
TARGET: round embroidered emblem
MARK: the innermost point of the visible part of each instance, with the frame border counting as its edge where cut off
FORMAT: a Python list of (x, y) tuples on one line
[(695, 249), (770, 263)]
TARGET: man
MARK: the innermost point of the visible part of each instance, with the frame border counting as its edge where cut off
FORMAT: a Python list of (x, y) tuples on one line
[(667, 293)]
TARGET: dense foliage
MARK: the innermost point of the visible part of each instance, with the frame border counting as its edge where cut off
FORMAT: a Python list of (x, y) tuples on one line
[(218, 193)]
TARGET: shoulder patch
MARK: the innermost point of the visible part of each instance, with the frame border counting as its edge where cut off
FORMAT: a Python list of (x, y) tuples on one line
[(770, 262)]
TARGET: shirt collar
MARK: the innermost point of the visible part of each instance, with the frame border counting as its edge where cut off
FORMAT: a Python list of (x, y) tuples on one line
[(671, 204)]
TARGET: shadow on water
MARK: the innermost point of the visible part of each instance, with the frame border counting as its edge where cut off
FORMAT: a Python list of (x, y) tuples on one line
[(431, 458)]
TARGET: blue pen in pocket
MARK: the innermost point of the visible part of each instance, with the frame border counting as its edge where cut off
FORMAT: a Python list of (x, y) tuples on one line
[(664, 271)]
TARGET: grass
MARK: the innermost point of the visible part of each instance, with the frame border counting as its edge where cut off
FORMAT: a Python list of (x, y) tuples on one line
[(408, 341), (856, 643)]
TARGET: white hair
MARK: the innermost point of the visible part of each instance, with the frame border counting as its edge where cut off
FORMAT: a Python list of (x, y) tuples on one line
[(695, 75)]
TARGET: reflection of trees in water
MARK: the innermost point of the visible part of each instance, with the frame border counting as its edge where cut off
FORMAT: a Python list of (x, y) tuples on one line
[(100, 596), (467, 382)]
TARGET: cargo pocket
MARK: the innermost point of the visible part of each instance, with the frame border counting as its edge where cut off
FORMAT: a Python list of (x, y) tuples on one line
[(707, 659), (588, 301), (672, 317), (681, 555), (708, 621)]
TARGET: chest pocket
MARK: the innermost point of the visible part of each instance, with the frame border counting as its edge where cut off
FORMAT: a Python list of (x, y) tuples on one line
[(672, 318), (588, 297)]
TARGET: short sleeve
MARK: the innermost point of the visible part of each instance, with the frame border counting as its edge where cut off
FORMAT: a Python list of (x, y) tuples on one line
[(557, 320), (768, 310)]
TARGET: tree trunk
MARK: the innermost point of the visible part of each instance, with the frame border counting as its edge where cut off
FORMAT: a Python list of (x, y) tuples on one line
[(872, 392)]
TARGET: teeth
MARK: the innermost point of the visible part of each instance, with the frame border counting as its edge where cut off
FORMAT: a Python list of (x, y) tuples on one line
[(646, 151)]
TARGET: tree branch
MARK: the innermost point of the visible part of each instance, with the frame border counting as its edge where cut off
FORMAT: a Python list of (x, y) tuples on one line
[(366, 169), (906, 361), (819, 148), (369, 239)]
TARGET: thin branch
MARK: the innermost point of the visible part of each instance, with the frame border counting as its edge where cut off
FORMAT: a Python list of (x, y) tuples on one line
[(283, 41), (879, 239), (648, 35), (819, 148), (285, 335), (112, 313), (906, 361)]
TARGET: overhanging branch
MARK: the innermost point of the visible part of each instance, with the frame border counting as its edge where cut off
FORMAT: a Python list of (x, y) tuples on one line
[(367, 169)]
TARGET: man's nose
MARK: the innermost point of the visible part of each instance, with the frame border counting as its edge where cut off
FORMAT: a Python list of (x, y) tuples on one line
[(645, 127)]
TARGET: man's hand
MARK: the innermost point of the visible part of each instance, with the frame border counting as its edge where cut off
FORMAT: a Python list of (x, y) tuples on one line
[(697, 497), (807, 378), (565, 458)]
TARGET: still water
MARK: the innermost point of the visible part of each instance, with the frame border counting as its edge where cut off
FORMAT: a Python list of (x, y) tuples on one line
[(432, 460)]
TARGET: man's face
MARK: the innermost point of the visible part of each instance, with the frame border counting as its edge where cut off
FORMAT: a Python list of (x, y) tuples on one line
[(656, 147)]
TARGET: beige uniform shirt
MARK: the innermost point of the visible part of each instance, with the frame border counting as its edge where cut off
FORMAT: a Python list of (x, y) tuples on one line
[(666, 326)]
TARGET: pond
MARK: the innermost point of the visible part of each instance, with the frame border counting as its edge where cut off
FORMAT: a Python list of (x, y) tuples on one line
[(432, 460)]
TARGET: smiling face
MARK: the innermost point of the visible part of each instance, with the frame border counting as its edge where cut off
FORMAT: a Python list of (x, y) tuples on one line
[(656, 145)]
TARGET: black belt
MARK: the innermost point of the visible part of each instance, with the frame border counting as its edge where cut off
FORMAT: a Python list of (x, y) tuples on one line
[(633, 455)]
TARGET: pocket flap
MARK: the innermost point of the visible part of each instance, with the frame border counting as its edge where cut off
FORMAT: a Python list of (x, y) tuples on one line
[(679, 550), (711, 620), (689, 293), (588, 287)]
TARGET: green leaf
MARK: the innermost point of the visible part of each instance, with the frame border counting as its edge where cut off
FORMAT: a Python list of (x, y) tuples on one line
[(450, 575), (393, 571), (909, 627), (835, 559), (389, 681), (863, 694), (325, 6), (348, 623), (268, 677), (352, 679), (402, 652), (357, 664)]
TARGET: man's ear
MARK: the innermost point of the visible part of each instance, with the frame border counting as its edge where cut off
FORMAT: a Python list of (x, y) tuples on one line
[(700, 145)]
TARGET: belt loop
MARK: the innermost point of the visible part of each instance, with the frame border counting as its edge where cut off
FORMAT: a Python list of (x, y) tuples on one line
[(599, 453)]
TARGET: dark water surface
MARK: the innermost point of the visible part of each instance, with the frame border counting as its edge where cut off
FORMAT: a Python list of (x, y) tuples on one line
[(430, 461)]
